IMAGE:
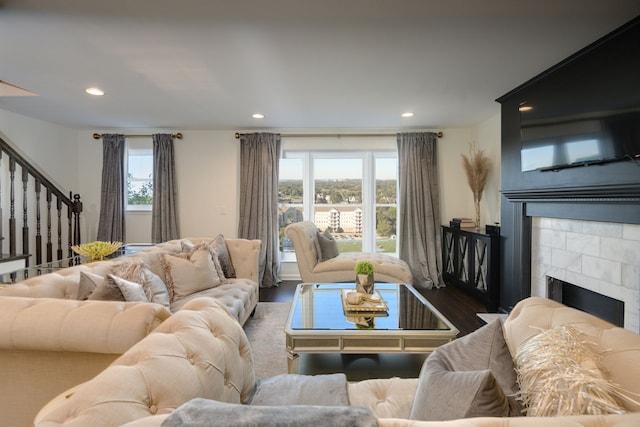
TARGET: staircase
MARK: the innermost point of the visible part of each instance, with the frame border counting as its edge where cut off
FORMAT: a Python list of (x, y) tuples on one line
[(38, 222)]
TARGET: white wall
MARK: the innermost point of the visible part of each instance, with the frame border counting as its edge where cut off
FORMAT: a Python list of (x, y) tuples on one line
[(208, 175), (51, 147), (487, 136)]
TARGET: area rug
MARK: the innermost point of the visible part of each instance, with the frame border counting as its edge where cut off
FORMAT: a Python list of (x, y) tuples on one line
[(265, 331)]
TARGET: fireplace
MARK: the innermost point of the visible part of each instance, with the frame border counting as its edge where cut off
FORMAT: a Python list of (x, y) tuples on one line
[(598, 261), (606, 308)]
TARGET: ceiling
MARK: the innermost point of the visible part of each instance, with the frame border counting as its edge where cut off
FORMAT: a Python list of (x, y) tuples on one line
[(304, 64)]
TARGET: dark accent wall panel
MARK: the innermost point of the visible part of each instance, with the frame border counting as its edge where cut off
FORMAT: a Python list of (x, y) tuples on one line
[(607, 192)]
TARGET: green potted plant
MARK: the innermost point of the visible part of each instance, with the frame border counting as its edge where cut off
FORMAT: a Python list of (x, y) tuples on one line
[(364, 277)]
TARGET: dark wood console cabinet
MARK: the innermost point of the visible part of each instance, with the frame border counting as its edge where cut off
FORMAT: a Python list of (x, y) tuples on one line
[(470, 261)]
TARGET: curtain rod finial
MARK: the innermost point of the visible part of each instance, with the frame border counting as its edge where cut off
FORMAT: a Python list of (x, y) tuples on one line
[(97, 136), (179, 135), (439, 134), (237, 135)]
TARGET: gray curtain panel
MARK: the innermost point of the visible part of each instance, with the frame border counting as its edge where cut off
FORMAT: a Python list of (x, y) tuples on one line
[(164, 219), (259, 166), (112, 204), (419, 228)]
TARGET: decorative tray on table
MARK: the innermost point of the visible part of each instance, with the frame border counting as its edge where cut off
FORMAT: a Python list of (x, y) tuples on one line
[(371, 304)]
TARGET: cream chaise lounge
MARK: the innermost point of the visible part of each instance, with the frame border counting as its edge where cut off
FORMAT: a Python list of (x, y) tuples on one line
[(340, 268)]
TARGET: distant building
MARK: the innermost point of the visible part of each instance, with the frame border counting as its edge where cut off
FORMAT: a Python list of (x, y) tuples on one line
[(289, 216), (348, 219)]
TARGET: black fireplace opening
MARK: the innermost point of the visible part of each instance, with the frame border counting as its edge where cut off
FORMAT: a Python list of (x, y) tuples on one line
[(603, 306)]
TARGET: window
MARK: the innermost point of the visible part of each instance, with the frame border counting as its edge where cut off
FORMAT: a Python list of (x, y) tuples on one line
[(139, 176), (352, 194)]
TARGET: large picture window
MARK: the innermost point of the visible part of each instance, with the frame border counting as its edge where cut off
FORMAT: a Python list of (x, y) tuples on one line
[(352, 194)]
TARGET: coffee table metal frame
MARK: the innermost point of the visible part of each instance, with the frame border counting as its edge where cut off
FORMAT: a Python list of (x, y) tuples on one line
[(363, 341)]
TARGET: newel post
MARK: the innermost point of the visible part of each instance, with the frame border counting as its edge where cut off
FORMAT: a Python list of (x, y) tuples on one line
[(77, 210)]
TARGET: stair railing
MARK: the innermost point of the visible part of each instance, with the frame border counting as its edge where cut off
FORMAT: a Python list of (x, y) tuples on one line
[(35, 185)]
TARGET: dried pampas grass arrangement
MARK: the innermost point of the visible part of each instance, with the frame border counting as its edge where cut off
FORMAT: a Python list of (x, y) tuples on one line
[(476, 166)]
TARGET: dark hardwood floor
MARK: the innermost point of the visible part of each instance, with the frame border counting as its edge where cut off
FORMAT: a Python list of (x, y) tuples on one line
[(455, 304)]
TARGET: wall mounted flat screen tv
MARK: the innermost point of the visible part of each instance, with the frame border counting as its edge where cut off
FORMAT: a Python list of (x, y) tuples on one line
[(580, 141), (587, 111)]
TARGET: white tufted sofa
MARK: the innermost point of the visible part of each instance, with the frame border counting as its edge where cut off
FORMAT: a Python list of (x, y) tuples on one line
[(49, 341), (203, 353), (240, 295), (48, 345), (304, 236)]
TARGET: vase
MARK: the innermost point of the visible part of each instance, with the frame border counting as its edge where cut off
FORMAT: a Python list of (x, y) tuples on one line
[(476, 201), (365, 283)]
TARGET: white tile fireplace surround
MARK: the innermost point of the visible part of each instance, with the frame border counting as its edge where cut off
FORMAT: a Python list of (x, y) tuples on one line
[(600, 256)]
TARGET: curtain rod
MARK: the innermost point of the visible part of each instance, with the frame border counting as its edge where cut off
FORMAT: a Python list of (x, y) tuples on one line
[(334, 135), (174, 135)]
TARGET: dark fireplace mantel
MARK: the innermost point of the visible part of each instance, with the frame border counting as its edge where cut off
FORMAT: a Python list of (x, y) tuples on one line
[(608, 192), (607, 203)]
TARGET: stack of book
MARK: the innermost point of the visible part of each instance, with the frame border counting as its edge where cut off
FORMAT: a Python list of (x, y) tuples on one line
[(461, 223)]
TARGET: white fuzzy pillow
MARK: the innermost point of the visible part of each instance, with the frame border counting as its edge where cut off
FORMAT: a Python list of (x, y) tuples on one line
[(558, 374)]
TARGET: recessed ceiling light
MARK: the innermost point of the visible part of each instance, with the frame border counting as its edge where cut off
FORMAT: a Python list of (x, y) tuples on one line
[(258, 116), (407, 114), (94, 91)]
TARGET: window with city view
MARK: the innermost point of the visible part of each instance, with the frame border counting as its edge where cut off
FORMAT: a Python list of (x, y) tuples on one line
[(353, 195)]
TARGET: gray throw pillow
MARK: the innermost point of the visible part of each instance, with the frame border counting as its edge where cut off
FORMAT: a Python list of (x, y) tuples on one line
[(220, 247), (202, 412), (107, 290), (131, 291), (87, 284), (470, 377), (328, 246), (293, 389)]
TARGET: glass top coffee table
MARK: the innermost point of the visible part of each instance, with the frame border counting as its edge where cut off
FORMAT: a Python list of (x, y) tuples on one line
[(318, 323)]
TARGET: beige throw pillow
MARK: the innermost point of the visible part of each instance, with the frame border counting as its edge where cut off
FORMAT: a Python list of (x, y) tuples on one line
[(188, 246), (190, 272)]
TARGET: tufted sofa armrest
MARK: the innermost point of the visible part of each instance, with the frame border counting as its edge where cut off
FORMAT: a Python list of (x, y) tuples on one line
[(59, 284), (619, 348), (48, 345), (304, 236), (245, 256), (200, 351)]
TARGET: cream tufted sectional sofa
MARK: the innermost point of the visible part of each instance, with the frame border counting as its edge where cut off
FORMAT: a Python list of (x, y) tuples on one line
[(201, 352), (50, 341), (304, 236), (240, 295)]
